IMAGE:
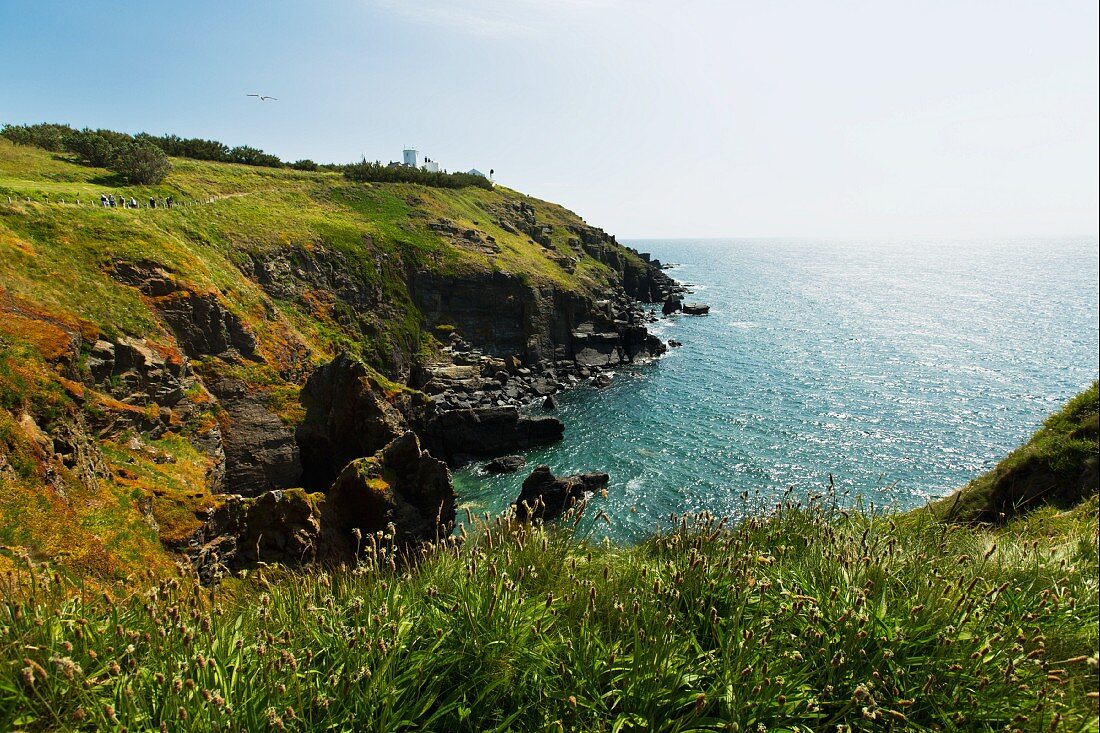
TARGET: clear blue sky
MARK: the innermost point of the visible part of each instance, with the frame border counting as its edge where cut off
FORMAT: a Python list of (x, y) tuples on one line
[(649, 118)]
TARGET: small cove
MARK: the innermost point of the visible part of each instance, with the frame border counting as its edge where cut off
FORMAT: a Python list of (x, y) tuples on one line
[(901, 369)]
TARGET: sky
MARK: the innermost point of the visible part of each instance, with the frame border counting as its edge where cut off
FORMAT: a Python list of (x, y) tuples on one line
[(649, 118)]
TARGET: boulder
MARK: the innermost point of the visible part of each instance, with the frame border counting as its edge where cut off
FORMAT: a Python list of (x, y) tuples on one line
[(696, 309), (505, 464), (672, 304), (549, 403), (400, 489), (546, 497)]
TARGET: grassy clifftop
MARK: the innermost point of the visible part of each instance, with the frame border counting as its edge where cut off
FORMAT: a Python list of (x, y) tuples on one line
[(67, 281), (1058, 466)]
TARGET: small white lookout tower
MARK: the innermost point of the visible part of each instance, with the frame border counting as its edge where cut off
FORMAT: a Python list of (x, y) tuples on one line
[(409, 156)]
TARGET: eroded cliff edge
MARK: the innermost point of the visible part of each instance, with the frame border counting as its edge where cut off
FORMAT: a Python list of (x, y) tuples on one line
[(153, 365)]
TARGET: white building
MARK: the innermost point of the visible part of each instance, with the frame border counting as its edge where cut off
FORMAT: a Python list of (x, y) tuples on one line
[(476, 172), (410, 158)]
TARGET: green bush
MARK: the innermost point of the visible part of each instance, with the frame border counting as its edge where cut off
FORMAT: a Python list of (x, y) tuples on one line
[(304, 165), (92, 148), (378, 173), (140, 163), (253, 156), (48, 136)]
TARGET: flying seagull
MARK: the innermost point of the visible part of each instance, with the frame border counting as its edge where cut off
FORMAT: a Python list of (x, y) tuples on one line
[(263, 98)]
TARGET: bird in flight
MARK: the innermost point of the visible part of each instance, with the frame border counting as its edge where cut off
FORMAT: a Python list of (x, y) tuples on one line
[(263, 98)]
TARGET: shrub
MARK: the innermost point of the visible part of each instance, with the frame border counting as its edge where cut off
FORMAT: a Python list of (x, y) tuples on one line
[(140, 163), (45, 135), (304, 165), (92, 148), (252, 156), (378, 173)]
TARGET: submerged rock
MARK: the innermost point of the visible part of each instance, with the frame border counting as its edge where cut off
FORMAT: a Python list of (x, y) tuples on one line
[(505, 464), (544, 496)]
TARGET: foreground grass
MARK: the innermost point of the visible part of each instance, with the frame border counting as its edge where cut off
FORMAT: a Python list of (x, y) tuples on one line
[(810, 618)]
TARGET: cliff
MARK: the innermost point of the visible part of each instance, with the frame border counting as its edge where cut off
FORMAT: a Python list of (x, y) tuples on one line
[(269, 329)]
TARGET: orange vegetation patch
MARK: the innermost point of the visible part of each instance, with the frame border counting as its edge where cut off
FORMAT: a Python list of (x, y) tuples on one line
[(167, 352), (110, 403), (47, 337), (20, 245)]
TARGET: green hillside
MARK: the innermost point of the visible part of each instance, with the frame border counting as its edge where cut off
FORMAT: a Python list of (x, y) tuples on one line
[(64, 261)]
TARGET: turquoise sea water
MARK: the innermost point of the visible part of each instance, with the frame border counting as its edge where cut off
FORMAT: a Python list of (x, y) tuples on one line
[(902, 369)]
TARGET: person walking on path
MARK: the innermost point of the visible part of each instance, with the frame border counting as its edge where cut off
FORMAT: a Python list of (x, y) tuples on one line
[(152, 202)]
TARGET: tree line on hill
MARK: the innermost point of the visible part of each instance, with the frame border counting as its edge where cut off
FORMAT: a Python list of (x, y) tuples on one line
[(143, 158)]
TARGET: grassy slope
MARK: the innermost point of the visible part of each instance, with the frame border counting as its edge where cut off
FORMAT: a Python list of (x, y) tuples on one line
[(54, 284), (1057, 466), (804, 620)]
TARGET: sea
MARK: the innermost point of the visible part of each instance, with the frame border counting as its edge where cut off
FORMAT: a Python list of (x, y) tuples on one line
[(893, 371)]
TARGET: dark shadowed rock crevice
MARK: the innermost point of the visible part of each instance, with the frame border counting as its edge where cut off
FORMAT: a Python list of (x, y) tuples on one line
[(260, 451)]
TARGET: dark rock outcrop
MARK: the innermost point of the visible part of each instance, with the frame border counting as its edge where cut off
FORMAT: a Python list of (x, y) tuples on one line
[(260, 451), (487, 431), (347, 417), (695, 309), (202, 323), (276, 526), (505, 464), (543, 496), (400, 490)]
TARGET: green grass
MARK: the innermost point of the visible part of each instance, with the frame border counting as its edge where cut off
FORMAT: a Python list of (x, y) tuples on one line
[(57, 297), (803, 620), (1058, 466)]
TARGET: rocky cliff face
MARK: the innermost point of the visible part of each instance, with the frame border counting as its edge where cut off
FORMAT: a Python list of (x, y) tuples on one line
[(224, 377)]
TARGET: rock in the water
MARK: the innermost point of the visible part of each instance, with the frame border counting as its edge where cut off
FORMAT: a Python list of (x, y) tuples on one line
[(672, 304), (696, 309), (674, 343), (549, 403), (543, 496), (487, 431), (602, 381), (505, 464)]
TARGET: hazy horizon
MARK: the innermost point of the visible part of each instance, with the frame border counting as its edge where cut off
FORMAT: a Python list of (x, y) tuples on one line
[(855, 120)]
